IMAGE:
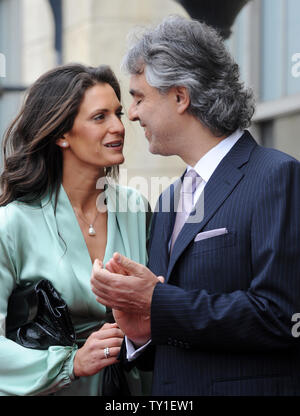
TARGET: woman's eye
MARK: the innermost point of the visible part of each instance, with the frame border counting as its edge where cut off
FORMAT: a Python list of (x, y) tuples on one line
[(99, 117), (120, 114)]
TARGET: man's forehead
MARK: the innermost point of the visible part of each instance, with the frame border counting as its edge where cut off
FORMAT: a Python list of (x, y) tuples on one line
[(136, 78), (137, 83)]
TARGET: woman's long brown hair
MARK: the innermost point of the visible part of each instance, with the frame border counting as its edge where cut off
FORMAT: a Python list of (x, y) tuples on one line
[(32, 159)]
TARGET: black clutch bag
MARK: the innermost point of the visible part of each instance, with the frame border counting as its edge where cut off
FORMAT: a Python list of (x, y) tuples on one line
[(37, 317)]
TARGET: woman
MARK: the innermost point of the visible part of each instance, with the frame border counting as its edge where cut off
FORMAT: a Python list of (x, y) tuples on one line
[(54, 224)]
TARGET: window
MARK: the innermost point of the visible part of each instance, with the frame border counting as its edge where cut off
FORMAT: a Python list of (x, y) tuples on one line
[(275, 26), (10, 30)]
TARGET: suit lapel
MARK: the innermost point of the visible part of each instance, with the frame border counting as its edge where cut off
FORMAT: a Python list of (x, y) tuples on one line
[(217, 190), (163, 227), (170, 205)]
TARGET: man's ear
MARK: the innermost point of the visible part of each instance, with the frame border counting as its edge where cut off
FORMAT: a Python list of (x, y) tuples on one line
[(62, 142), (182, 99)]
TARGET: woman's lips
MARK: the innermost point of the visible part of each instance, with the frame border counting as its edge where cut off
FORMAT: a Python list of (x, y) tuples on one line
[(114, 145)]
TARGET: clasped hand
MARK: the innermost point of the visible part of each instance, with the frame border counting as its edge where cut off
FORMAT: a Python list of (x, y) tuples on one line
[(127, 287)]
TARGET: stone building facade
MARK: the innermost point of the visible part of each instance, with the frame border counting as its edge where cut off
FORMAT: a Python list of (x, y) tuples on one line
[(92, 32)]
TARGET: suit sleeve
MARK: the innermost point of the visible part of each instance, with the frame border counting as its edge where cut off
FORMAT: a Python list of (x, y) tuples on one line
[(259, 318)]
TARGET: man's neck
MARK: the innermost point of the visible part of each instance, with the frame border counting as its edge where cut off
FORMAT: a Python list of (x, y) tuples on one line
[(197, 141)]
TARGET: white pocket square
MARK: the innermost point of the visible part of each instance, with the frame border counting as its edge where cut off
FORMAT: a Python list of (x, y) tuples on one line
[(212, 233)]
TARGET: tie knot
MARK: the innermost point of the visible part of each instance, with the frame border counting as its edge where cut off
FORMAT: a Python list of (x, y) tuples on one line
[(190, 181), (191, 174)]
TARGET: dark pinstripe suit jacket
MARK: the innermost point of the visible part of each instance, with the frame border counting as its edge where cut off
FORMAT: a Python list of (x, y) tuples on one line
[(221, 323)]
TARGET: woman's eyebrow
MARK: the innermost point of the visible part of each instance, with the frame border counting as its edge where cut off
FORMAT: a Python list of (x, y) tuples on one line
[(106, 110)]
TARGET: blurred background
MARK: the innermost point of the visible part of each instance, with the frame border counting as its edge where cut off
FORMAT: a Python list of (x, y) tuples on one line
[(263, 36)]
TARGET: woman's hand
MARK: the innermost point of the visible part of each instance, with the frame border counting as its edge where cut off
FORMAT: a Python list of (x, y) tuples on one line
[(90, 358)]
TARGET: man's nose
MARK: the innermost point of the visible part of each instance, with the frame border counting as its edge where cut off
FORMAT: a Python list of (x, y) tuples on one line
[(132, 113)]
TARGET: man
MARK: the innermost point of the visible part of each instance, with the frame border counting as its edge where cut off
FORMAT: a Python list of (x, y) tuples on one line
[(221, 321)]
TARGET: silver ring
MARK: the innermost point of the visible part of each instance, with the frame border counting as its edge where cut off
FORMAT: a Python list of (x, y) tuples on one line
[(106, 352)]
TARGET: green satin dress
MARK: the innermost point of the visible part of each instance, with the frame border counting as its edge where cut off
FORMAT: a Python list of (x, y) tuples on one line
[(37, 242)]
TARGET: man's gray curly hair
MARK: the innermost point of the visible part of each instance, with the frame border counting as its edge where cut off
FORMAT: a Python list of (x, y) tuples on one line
[(184, 52)]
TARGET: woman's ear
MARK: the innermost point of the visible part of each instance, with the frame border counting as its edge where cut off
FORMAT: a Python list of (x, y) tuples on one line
[(182, 99), (62, 142)]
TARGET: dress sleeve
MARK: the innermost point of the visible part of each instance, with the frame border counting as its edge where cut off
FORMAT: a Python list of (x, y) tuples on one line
[(26, 371)]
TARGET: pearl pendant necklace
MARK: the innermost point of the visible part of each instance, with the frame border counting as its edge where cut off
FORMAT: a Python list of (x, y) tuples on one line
[(92, 231)]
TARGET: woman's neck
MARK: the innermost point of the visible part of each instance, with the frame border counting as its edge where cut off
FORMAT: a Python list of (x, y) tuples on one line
[(81, 189)]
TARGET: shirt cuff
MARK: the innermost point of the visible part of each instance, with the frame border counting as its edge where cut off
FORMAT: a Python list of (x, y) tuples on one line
[(131, 351)]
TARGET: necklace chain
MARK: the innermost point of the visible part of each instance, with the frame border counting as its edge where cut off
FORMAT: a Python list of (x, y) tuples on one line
[(92, 230)]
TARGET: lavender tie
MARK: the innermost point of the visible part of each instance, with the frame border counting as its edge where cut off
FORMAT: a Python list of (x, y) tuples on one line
[(186, 202)]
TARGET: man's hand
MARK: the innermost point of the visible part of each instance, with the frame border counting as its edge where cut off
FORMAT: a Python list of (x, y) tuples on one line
[(126, 287), (136, 327), (122, 265), (131, 293)]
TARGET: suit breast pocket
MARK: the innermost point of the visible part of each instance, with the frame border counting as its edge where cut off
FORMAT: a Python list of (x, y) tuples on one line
[(214, 243)]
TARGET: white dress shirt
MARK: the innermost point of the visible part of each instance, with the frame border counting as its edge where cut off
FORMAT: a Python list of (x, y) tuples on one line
[(205, 167)]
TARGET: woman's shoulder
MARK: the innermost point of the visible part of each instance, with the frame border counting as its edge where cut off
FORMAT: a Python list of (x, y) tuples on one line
[(7, 216), (8, 211), (14, 212)]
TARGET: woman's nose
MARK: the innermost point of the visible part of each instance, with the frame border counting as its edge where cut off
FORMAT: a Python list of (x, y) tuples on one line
[(117, 126)]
